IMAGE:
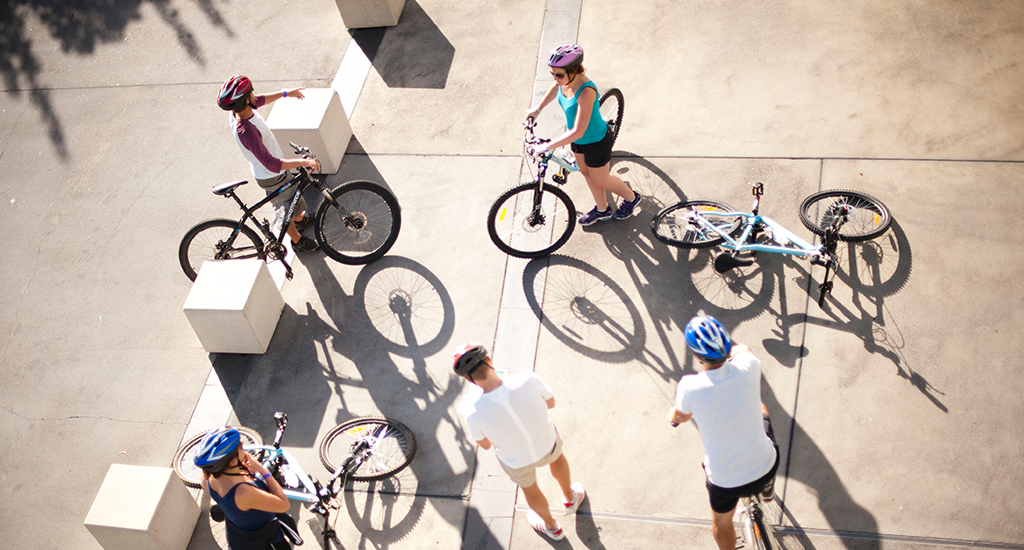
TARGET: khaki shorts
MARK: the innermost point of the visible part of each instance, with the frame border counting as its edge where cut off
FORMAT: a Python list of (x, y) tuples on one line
[(281, 201), (527, 475)]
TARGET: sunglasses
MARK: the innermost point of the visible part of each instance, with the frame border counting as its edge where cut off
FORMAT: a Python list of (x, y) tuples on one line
[(557, 75)]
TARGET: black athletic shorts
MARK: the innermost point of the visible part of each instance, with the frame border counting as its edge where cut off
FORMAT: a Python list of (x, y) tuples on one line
[(724, 500), (596, 154)]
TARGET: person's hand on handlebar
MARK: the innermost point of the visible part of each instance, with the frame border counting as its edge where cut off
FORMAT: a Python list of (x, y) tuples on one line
[(533, 113)]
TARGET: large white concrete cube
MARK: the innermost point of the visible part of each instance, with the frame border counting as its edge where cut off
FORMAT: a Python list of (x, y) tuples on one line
[(318, 121), (357, 14), (234, 306), (142, 508)]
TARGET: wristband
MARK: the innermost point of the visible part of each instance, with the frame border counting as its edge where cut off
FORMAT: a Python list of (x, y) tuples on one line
[(265, 476), (285, 92)]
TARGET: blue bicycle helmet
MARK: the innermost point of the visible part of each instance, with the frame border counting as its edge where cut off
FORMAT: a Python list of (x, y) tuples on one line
[(217, 449), (708, 339)]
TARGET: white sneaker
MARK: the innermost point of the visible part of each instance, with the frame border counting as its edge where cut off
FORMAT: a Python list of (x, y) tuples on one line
[(578, 494)]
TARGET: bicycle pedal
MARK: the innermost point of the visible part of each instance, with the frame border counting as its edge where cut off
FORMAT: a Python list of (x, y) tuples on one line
[(559, 179)]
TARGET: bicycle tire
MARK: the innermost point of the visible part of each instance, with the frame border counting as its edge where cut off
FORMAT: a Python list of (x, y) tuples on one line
[(611, 107), (203, 242), (869, 219), (517, 231), (337, 445), (183, 464), (668, 228), (762, 536), (368, 228)]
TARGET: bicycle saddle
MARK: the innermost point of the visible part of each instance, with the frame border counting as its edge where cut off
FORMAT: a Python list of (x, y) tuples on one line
[(725, 261), (225, 188)]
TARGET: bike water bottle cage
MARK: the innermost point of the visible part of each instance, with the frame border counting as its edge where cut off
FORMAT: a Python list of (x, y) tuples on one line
[(566, 56), (234, 93), (708, 339), (217, 449), (468, 358)]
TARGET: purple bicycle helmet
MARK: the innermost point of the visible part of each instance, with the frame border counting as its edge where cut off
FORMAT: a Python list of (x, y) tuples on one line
[(234, 93), (566, 56)]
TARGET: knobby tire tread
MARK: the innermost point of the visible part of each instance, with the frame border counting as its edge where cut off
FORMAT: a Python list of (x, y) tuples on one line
[(813, 224), (338, 193), (336, 431), (617, 94), (492, 216), (192, 271)]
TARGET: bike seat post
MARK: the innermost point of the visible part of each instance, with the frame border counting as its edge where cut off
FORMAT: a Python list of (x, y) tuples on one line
[(757, 191)]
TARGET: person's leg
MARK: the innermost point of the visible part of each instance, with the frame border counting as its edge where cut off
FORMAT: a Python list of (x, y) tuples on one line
[(603, 178), (600, 197), (560, 471), (723, 529), (537, 502)]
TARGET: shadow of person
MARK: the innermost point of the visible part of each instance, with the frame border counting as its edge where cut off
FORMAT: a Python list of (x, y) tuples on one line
[(806, 463)]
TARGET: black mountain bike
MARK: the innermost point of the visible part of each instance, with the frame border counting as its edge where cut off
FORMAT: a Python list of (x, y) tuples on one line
[(536, 218), (356, 223)]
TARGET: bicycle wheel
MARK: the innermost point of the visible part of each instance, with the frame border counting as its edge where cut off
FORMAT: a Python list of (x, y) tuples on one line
[(866, 216), (763, 537), (184, 465), (519, 229), (210, 241), (360, 225), (610, 105), (673, 224), (391, 447)]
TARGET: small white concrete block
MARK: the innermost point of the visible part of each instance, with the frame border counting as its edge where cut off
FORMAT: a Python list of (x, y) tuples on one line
[(142, 508), (357, 14), (318, 121), (234, 306)]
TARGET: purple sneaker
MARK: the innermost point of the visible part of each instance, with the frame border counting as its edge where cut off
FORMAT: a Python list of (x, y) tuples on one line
[(594, 216)]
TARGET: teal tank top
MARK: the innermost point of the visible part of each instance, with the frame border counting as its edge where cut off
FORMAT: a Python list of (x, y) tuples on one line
[(596, 128)]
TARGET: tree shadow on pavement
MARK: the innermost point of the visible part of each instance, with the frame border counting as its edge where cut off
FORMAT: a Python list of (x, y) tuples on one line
[(79, 27)]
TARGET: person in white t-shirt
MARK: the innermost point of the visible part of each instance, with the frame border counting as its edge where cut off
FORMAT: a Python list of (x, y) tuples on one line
[(724, 401), (511, 415), (260, 148)]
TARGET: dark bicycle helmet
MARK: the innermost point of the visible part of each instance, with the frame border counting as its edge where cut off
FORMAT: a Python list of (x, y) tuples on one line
[(234, 93), (708, 339), (217, 449), (467, 358), (566, 56)]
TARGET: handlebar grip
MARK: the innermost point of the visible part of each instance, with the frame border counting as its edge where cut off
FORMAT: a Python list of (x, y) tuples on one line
[(674, 424)]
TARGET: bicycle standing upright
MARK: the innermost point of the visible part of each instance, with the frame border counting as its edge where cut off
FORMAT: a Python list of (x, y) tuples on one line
[(536, 218), (357, 222)]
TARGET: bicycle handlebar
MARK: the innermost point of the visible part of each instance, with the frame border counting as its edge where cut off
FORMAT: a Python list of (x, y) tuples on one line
[(305, 153)]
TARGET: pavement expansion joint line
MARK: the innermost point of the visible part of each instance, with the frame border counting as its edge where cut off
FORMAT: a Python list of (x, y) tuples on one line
[(932, 541)]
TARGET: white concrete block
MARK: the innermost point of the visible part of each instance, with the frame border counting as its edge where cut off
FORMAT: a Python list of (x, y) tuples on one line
[(142, 508), (234, 306), (357, 14), (318, 121)]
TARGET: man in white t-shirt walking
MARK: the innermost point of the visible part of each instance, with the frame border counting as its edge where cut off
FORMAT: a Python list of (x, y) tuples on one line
[(724, 401), (512, 416)]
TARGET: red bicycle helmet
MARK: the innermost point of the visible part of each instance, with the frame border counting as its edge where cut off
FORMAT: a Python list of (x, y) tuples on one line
[(234, 93), (566, 56)]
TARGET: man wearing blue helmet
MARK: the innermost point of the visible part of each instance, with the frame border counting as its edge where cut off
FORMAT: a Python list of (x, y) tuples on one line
[(724, 400)]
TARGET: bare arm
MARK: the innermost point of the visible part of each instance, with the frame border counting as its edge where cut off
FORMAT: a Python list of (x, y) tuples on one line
[(551, 402), (585, 105), (248, 497), (676, 417), (484, 443), (549, 96), (296, 93)]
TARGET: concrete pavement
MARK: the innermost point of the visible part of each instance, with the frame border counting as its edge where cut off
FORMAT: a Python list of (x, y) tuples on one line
[(893, 404)]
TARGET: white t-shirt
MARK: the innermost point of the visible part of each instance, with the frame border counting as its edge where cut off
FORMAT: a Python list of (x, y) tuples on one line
[(514, 417), (726, 406), (259, 170)]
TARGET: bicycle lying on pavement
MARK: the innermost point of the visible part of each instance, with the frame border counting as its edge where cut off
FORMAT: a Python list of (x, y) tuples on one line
[(357, 222), (362, 449), (536, 218), (835, 215)]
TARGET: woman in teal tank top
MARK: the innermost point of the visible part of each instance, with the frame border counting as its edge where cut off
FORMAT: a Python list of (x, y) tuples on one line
[(587, 133)]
